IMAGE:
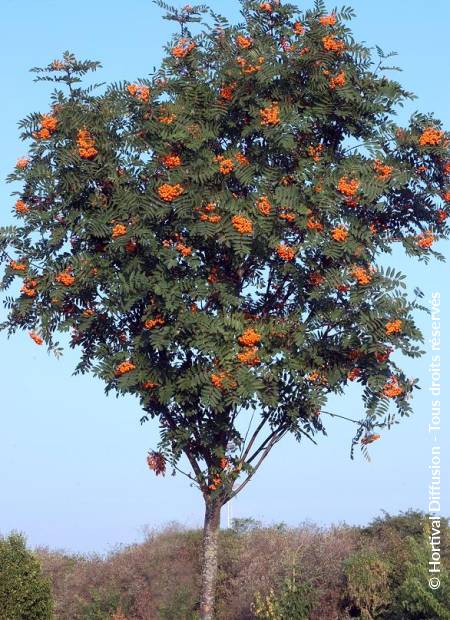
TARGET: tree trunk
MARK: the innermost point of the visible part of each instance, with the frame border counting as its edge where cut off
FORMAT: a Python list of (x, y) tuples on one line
[(209, 560)]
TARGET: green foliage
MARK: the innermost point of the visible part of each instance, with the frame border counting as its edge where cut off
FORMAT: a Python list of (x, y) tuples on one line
[(181, 607), (249, 185), (367, 584), (102, 605), (25, 593), (414, 599), (294, 600)]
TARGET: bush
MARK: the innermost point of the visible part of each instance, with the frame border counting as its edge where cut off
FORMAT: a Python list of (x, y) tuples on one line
[(25, 594), (181, 607), (293, 601), (102, 605), (414, 599), (367, 579)]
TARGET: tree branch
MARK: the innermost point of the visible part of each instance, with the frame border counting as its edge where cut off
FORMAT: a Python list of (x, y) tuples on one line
[(257, 466), (252, 440)]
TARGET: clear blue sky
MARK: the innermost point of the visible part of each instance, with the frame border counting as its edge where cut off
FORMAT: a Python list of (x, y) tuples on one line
[(72, 461)]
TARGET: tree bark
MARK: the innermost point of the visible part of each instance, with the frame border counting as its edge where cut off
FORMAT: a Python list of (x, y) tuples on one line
[(209, 559)]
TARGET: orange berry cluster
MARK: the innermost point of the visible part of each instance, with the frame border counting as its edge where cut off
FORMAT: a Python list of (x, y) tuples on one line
[(249, 357), (124, 367), (157, 463), (86, 144), (17, 266), (182, 49), (222, 380), (315, 151), (288, 216), (431, 137), (285, 252), (353, 374), (331, 44), (270, 116), (207, 214), (242, 224), (441, 215), (58, 65), (264, 206), (298, 28), (316, 377), (216, 482), (247, 68), (48, 127), (348, 187), (384, 172), (226, 166), (29, 288), (21, 207), (361, 275), (172, 160), (167, 119), (22, 163), (149, 385), (328, 20), (243, 42), (152, 323), (425, 240), (340, 233), (338, 80), (140, 92), (168, 192), (183, 249), (241, 159), (227, 91), (313, 224), (266, 6), (37, 339), (249, 338), (394, 327), (392, 388), (65, 277), (119, 230), (383, 356), (370, 439)]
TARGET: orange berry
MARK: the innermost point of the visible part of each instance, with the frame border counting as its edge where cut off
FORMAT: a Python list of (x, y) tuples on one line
[(331, 44), (37, 339), (270, 116), (119, 230), (285, 252), (242, 224), (250, 338), (393, 327), (168, 192)]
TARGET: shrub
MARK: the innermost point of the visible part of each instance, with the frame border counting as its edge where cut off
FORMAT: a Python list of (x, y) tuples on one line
[(367, 584), (25, 593), (103, 604), (414, 599), (294, 601), (181, 607)]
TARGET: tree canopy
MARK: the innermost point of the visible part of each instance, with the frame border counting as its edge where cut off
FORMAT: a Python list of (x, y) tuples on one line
[(209, 235)]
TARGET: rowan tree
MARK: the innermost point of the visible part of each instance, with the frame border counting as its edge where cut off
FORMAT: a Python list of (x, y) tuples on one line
[(211, 237)]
